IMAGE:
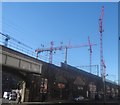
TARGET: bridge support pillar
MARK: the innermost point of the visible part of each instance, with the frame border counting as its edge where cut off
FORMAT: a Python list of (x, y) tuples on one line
[(23, 91)]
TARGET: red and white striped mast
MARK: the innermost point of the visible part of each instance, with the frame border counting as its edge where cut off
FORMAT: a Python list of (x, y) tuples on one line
[(102, 63)]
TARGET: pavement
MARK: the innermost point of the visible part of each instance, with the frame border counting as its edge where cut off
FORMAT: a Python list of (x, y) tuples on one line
[(7, 102), (2, 100)]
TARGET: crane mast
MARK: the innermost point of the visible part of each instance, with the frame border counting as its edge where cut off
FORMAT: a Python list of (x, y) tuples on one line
[(51, 51), (90, 49), (102, 64)]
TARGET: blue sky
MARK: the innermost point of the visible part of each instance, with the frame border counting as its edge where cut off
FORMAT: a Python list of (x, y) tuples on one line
[(36, 23)]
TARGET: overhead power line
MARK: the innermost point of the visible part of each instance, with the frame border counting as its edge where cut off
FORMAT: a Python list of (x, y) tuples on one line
[(8, 37)]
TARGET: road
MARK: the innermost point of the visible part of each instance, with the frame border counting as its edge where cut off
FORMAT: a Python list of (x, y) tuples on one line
[(62, 102)]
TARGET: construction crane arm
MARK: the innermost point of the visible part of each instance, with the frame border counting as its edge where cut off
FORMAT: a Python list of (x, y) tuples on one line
[(62, 47)]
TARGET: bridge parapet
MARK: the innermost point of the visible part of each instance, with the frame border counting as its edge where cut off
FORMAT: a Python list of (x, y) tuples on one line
[(20, 61)]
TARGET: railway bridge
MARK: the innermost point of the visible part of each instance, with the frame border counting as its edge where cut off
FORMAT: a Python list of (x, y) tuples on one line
[(19, 71), (35, 79)]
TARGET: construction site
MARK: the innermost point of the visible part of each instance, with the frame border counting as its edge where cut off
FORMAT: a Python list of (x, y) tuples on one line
[(40, 81)]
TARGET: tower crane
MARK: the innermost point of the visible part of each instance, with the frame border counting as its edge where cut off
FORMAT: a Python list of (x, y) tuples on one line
[(66, 47), (90, 49), (102, 63)]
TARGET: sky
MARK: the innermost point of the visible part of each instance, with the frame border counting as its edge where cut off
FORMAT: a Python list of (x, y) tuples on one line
[(39, 23)]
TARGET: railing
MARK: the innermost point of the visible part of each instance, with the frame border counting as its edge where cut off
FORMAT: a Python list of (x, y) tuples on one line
[(17, 45)]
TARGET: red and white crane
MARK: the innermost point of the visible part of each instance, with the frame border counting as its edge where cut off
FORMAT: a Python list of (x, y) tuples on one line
[(66, 47), (102, 63)]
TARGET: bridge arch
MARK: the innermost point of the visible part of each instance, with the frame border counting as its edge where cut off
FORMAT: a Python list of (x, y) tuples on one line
[(13, 80)]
